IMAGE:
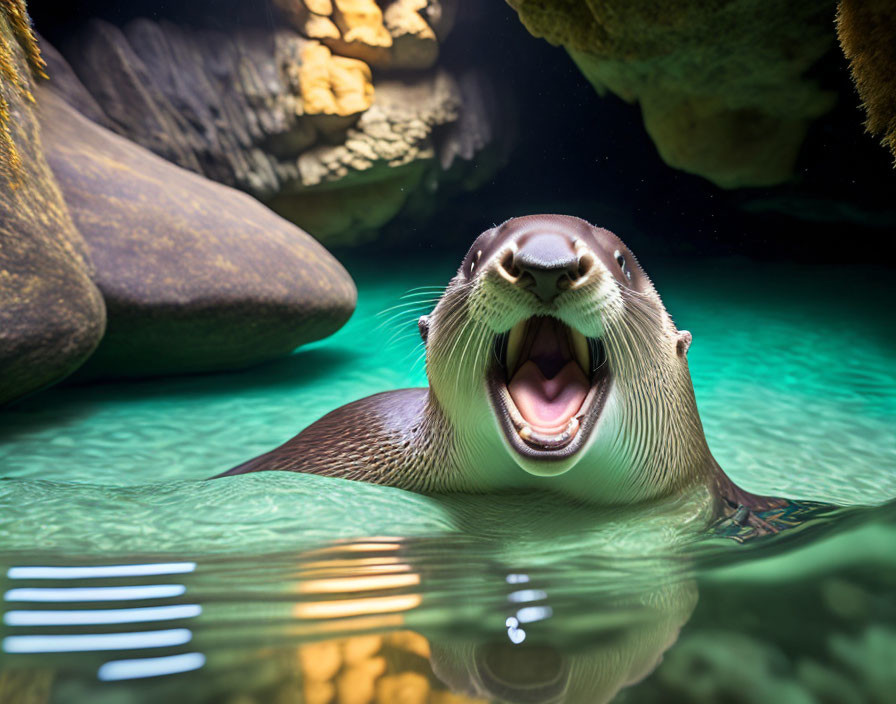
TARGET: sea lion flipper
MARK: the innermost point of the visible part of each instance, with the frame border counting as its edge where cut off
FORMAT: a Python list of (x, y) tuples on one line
[(351, 441)]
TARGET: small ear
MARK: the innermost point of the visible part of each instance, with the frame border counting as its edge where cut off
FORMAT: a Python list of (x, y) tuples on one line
[(683, 343), (423, 327)]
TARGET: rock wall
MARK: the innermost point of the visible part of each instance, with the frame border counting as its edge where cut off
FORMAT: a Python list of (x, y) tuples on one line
[(338, 117)]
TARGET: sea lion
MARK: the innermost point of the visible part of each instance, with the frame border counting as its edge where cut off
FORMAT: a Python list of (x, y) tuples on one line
[(552, 364)]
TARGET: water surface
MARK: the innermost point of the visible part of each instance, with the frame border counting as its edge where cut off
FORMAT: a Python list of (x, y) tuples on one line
[(286, 588)]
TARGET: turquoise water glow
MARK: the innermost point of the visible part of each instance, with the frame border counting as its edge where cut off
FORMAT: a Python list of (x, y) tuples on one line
[(796, 388), (796, 385)]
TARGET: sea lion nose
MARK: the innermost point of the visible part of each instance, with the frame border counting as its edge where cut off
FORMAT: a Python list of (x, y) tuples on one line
[(547, 262)]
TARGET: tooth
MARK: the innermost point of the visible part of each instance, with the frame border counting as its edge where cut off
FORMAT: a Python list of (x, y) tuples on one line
[(550, 439), (580, 346), (515, 345)]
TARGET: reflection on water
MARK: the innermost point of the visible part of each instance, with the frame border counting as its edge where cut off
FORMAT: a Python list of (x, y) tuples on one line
[(496, 615), (375, 590), (25, 612)]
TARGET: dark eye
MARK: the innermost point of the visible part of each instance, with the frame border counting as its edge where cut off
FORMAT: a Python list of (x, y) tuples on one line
[(475, 262), (620, 260)]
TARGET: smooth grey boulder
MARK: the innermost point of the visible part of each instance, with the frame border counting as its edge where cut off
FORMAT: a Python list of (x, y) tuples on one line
[(196, 276)]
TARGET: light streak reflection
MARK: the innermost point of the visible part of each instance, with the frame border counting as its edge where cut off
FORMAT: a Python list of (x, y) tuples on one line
[(150, 667), (100, 616), (81, 642), (530, 614), (526, 595), (98, 642), (43, 594), (100, 571)]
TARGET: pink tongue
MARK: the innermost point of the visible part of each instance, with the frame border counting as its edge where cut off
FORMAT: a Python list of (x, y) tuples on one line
[(548, 404)]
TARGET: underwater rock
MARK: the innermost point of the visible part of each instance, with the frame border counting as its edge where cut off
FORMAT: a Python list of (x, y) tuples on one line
[(867, 659), (298, 120), (723, 87), (26, 685), (867, 33), (51, 314), (196, 276), (726, 666)]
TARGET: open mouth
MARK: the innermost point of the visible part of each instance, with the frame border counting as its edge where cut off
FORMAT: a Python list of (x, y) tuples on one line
[(548, 386)]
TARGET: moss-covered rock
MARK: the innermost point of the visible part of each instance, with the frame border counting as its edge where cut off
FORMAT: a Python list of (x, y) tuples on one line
[(724, 85), (18, 38), (867, 32), (196, 276), (51, 314)]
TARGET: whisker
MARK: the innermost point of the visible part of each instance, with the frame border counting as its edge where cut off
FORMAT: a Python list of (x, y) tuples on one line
[(419, 296), (406, 305), (426, 288), (409, 314), (397, 337)]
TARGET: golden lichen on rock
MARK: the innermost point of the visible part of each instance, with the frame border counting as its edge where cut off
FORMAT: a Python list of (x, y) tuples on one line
[(345, 192), (361, 21), (52, 316), (395, 35), (333, 85), (722, 84), (320, 27), (414, 42), (17, 17), (370, 669), (867, 33), (16, 29)]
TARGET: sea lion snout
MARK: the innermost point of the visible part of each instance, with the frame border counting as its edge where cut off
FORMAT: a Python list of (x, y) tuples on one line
[(545, 263)]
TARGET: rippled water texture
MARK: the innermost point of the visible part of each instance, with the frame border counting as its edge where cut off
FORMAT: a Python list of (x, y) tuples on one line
[(289, 588)]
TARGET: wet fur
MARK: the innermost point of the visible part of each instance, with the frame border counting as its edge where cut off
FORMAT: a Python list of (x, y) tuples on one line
[(445, 438)]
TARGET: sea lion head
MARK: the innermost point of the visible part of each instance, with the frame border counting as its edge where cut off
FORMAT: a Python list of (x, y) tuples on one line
[(552, 356)]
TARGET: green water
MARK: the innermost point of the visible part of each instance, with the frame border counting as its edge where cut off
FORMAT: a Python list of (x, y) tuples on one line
[(796, 383)]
